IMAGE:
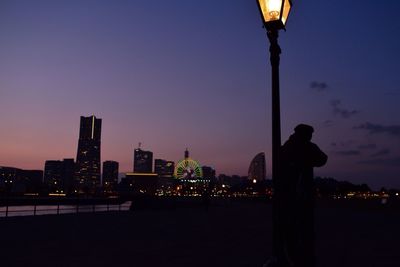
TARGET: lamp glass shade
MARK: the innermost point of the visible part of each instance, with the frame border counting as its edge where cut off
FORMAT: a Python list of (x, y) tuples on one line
[(285, 12), (275, 12)]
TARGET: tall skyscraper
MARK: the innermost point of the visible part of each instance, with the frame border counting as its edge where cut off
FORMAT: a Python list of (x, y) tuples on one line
[(110, 175), (257, 170), (143, 161), (87, 176)]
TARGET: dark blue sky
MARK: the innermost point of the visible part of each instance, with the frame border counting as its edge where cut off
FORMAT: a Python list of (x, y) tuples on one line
[(176, 74)]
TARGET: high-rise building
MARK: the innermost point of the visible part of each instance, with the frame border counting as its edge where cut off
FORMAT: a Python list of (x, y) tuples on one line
[(58, 175), (164, 168), (110, 175), (52, 175), (257, 168), (67, 175), (87, 176), (208, 173), (142, 161)]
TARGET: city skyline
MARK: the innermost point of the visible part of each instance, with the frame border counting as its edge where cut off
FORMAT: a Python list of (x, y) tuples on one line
[(88, 156), (142, 164), (176, 75)]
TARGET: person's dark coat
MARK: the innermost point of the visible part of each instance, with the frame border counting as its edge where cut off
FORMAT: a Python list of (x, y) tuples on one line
[(298, 157), (295, 190)]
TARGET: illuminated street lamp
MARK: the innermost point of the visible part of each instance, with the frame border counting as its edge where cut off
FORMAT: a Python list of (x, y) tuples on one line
[(274, 14)]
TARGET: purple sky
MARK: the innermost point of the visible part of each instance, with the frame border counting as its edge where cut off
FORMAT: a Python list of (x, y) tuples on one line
[(176, 74)]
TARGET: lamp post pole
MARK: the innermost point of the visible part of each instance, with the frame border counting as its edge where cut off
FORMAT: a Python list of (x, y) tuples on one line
[(275, 52), (274, 14)]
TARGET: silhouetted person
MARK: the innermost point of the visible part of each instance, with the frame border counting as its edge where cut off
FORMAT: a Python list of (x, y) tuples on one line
[(295, 188)]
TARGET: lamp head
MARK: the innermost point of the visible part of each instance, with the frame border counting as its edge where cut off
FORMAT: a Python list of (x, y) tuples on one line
[(274, 13)]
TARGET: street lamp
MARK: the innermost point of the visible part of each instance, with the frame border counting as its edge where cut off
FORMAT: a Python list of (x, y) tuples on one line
[(274, 14)]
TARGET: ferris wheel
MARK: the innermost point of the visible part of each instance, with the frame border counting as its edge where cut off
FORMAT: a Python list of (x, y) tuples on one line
[(188, 169)]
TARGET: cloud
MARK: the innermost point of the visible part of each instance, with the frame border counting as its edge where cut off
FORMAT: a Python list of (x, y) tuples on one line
[(393, 130), (383, 162), (348, 152), (367, 146), (318, 86), (381, 152), (343, 144), (338, 110)]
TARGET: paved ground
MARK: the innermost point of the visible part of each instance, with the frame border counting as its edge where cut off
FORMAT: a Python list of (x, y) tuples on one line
[(228, 234)]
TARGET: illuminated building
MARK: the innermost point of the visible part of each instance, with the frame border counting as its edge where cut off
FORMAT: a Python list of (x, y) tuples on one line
[(110, 175), (164, 168), (58, 175), (166, 181), (208, 173), (142, 161), (257, 168), (30, 181), (233, 180), (17, 182), (52, 175), (142, 180), (87, 176), (7, 178), (142, 183)]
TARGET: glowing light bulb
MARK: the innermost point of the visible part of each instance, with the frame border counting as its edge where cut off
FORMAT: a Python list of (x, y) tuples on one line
[(274, 7)]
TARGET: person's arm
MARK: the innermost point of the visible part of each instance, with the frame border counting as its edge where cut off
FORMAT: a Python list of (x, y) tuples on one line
[(319, 158)]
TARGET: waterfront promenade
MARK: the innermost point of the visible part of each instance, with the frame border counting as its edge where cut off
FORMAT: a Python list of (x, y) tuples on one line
[(229, 233)]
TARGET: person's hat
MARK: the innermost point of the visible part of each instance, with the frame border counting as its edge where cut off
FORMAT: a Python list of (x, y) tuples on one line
[(303, 129)]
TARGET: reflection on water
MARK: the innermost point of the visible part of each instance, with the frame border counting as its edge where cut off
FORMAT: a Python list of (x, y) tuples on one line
[(12, 211)]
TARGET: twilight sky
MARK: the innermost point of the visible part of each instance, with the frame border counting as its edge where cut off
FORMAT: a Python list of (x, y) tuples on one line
[(177, 73)]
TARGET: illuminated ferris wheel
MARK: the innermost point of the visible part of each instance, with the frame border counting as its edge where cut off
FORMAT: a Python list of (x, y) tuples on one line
[(188, 169)]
